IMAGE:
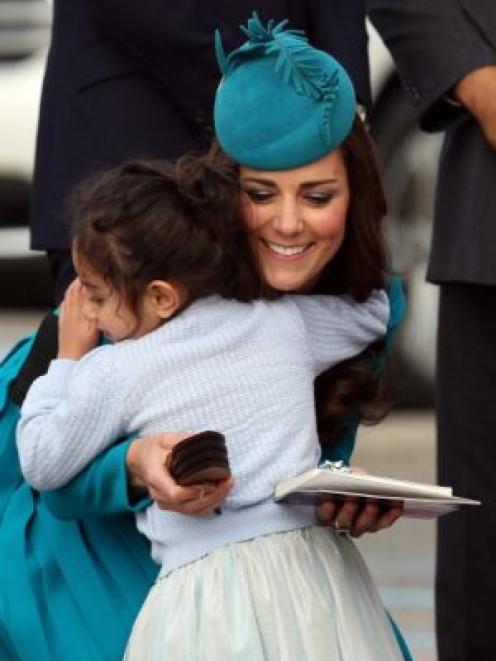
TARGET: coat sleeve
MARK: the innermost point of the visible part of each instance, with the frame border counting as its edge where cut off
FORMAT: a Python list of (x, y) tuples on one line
[(100, 489), (434, 44)]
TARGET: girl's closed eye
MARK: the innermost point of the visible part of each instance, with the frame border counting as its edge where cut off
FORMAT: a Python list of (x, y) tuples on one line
[(96, 300)]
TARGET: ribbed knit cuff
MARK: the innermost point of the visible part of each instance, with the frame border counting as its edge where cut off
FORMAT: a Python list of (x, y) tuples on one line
[(59, 372)]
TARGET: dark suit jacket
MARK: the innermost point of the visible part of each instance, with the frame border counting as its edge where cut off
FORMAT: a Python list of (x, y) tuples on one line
[(434, 44), (137, 78)]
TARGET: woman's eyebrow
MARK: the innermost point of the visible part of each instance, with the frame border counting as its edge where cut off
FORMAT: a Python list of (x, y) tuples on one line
[(318, 182), (256, 180)]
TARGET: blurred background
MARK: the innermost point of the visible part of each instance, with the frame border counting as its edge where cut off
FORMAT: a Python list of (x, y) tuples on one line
[(403, 446)]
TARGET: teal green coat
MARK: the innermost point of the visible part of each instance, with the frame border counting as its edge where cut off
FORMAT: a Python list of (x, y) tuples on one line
[(74, 570)]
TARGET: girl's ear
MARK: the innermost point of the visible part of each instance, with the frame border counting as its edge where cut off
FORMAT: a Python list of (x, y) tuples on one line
[(165, 298)]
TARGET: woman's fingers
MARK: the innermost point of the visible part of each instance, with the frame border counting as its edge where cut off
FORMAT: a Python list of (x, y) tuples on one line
[(386, 519), (166, 492), (326, 512), (365, 519), (357, 518), (194, 500), (145, 461), (338, 514), (207, 502)]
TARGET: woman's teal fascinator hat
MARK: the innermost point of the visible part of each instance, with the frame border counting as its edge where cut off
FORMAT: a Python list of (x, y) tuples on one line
[(281, 103)]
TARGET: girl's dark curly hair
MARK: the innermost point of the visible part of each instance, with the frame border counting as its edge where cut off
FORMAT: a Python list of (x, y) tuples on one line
[(155, 220), (353, 387)]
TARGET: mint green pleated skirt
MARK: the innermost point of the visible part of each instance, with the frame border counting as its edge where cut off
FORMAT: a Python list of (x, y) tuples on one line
[(303, 595)]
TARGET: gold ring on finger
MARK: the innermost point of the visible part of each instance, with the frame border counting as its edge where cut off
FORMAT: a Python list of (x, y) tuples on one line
[(341, 530)]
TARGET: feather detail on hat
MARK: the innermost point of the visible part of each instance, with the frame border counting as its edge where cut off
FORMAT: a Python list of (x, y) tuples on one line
[(257, 33), (295, 59), (220, 54), (296, 64)]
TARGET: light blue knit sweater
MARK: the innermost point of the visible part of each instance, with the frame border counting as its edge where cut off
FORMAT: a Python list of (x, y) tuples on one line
[(246, 370)]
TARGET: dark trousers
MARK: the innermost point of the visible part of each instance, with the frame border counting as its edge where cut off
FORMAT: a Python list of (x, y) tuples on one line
[(466, 419), (61, 271)]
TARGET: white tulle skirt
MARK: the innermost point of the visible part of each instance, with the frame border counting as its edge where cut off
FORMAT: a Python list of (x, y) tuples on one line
[(303, 595)]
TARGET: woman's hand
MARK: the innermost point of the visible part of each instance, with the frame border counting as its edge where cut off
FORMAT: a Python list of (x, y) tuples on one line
[(146, 462), (77, 333), (355, 517)]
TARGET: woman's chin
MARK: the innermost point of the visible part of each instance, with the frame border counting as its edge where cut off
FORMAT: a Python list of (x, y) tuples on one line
[(295, 273), (286, 282)]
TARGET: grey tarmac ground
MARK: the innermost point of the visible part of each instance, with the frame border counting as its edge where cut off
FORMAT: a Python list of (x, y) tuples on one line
[(402, 558)]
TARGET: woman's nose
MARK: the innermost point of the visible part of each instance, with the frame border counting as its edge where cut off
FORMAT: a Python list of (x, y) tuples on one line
[(287, 218)]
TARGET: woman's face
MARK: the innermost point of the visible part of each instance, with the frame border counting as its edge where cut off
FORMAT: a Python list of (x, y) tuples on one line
[(296, 219)]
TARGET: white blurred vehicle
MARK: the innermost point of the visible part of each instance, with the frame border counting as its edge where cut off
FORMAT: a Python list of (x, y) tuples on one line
[(24, 35), (409, 159)]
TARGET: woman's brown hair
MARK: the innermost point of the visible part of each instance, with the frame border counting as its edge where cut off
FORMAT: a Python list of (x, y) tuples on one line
[(356, 386), (353, 387)]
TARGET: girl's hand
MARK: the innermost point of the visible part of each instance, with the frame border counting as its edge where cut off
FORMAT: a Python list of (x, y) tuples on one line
[(77, 333), (146, 463), (357, 518)]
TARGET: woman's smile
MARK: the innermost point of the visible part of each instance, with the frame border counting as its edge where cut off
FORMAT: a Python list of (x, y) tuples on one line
[(287, 252)]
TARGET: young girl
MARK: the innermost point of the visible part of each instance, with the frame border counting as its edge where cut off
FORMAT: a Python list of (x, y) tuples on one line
[(161, 255), (192, 359)]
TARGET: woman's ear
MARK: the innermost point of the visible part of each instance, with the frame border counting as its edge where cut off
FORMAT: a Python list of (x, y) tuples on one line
[(165, 298)]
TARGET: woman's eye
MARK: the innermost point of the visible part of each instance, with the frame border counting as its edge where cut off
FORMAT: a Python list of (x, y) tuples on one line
[(319, 199), (258, 195)]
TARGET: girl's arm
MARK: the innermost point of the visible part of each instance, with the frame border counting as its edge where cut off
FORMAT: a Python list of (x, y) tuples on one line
[(74, 400), (104, 487), (337, 327)]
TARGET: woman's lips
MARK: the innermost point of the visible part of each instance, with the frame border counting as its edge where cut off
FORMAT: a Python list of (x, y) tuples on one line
[(287, 251)]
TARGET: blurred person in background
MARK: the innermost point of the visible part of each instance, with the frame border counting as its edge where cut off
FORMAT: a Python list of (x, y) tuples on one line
[(446, 55), (132, 79)]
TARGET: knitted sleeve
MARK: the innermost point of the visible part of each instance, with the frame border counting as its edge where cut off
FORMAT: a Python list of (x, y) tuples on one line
[(397, 301), (337, 327), (69, 415)]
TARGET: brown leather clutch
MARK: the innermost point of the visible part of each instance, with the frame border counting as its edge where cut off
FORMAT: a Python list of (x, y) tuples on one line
[(199, 458)]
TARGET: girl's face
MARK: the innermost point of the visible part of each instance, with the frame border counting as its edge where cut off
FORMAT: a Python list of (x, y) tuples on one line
[(296, 219), (106, 307)]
